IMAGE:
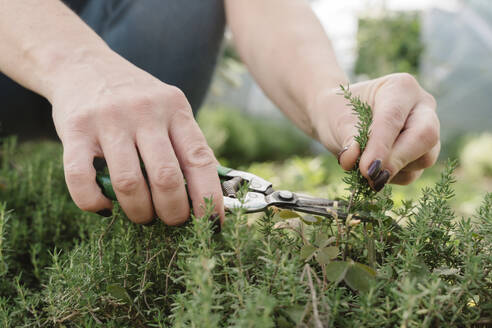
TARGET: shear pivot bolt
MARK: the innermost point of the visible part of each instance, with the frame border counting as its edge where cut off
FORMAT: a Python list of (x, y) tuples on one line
[(285, 195)]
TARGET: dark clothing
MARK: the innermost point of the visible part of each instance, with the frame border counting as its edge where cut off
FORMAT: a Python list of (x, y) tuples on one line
[(176, 41)]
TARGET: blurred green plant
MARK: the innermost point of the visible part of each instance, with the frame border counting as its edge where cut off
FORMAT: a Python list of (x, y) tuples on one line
[(238, 138), (387, 44), (476, 158)]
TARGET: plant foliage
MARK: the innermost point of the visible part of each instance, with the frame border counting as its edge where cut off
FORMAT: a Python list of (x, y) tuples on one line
[(413, 266), (390, 43)]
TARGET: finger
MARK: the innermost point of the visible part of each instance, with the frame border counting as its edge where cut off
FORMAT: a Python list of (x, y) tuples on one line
[(164, 176), (197, 162), (348, 157), (421, 134), (425, 161), (127, 178), (393, 102), (349, 149), (80, 176), (404, 178)]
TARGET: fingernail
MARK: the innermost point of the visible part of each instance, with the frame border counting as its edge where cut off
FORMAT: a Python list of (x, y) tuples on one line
[(344, 149), (216, 227), (374, 169), (99, 163), (381, 180), (106, 212)]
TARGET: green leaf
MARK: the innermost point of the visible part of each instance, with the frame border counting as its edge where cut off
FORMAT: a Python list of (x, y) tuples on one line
[(322, 240), (118, 292), (325, 255), (335, 271), (310, 219), (287, 214), (359, 277), (307, 251), (385, 272), (295, 312)]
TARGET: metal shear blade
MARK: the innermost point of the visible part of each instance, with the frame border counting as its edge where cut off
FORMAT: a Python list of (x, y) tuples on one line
[(261, 195), (257, 202)]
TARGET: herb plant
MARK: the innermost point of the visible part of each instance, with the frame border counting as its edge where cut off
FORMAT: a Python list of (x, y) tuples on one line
[(377, 265)]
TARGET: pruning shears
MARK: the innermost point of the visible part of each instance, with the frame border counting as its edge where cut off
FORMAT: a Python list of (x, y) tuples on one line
[(259, 195)]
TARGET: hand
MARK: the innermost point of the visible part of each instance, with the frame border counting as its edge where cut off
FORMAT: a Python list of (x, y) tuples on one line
[(103, 106), (404, 136)]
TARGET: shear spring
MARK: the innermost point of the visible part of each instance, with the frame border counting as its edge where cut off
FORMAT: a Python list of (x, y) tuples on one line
[(230, 187)]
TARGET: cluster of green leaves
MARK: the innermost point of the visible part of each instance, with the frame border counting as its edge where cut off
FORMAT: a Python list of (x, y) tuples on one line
[(390, 43), (379, 266), (360, 191)]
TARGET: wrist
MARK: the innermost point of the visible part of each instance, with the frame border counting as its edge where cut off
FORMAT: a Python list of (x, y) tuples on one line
[(323, 107), (58, 65)]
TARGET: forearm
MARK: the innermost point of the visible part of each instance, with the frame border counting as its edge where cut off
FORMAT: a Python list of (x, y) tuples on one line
[(287, 51), (39, 38)]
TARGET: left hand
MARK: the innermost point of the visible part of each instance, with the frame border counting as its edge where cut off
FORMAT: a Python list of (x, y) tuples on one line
[(404, 136)]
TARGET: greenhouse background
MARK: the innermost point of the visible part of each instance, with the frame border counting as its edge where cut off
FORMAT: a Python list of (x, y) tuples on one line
[(452, 41)]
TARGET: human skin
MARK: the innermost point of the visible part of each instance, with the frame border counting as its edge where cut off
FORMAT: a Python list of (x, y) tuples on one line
[(103, 106), (289, 54)]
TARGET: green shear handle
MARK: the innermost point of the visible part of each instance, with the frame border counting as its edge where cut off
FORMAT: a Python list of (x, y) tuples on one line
[(104, 181)]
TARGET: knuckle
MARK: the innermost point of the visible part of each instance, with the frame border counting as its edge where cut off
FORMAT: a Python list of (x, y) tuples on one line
[(396, 117), (76, 174), (199, 155), (167, 178), (344, 127), (406, 80), (430, 98), (392, 119), (176, 97), (395, 166), (110, 111), (180, 115), (79, 122), (429, 135), (126, 183), (143, 104)]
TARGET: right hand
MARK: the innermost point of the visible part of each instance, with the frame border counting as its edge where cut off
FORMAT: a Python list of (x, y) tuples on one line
[(103, 106)]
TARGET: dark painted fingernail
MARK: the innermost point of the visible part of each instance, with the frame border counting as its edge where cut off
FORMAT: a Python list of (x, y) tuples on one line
[(374, 169), (381, 180), (216, 227), (106, 212)]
